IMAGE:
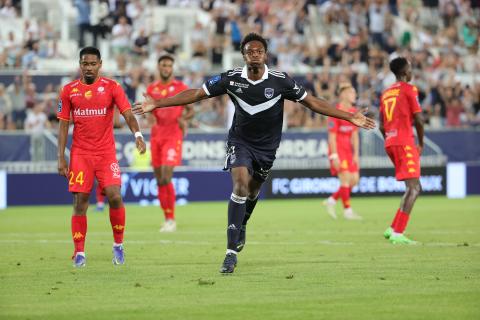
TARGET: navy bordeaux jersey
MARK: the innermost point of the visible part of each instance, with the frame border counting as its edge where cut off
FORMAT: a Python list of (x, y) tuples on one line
[(258, 104)]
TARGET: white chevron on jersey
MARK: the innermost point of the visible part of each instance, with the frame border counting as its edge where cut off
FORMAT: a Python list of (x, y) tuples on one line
[(256, 108), (277, 74)]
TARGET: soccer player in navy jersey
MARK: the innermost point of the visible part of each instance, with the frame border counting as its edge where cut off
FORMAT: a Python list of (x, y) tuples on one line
[(258, 94)]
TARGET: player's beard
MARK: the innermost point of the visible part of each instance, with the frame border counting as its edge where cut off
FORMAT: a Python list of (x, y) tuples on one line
[(254, 69), (89, 79), (165, 77)]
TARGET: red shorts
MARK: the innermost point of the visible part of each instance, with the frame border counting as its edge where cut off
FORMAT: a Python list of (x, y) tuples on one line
[(166, 152), (406, 161), (346, 165), (85, 168)]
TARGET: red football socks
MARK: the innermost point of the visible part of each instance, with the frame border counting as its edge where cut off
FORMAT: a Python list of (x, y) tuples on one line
[(400, 222), (117, 219), (79, 232), (345, 195), (336, 195), (166, 195)]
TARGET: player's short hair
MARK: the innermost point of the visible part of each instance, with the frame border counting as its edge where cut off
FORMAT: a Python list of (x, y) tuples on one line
[(343, 86), (397, 65), (164, 56), (253, 37), (90, 50)]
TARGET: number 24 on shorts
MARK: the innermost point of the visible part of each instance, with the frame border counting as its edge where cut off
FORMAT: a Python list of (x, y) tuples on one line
[(78, 179)]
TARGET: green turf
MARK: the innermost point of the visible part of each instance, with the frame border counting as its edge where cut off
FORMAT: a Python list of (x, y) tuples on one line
[(297, 264)]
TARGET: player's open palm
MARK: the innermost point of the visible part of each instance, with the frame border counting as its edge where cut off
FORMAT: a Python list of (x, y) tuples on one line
[(141, 146), (144, 107), (360, 120), (62, 167)]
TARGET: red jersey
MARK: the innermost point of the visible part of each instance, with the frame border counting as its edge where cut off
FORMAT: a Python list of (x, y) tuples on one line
[(91, 108), (344, 130), (167, 118), (398, 104)]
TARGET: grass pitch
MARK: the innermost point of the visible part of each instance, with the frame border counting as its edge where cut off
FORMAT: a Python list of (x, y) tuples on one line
[(297, 264)]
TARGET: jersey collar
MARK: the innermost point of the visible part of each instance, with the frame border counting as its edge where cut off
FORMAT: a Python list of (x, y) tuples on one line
[(264, 76)]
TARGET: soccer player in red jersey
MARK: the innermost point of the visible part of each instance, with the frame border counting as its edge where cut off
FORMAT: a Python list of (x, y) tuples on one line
[(343, 153), (399, 108), (89, 103), (167, 137)]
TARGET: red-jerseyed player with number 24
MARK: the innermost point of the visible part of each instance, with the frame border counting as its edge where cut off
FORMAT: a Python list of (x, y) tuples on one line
[(89, 102), (399, 108)]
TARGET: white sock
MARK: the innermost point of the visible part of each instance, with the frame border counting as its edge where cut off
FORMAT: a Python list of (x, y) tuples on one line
[(80, 253), (117, 244), (231, 251), (395, 234), (330, 200)]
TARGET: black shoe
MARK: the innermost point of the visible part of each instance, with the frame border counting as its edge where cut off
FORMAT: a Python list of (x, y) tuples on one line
[(242, 238), (229, 263)]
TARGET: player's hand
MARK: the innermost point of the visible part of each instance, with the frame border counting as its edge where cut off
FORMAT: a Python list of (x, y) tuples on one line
[(62, 167), (356, 159), (420, 149), (141, 146), (362, 121), (183, 124), (143, 107), (336, 164)]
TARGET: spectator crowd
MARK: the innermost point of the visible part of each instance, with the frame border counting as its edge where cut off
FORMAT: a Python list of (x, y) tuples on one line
[(329, 41)]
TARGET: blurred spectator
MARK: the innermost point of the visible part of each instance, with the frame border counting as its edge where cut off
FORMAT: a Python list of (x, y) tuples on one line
[(121, 33), (16, 92), (5, 109), (99, 14), (8, 10), (36, 121), (83, 20), (377, 13)]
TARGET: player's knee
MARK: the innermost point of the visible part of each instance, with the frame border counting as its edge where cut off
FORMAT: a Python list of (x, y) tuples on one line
[(115, 200), (414, 190), (240, 189), (163, 181)]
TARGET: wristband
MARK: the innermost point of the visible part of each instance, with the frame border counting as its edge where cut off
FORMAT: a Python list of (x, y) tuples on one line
[(333, 156), (138, 134)]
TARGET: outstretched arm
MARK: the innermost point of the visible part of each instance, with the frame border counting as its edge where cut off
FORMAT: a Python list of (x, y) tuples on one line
[(323, 107), (183, 98)]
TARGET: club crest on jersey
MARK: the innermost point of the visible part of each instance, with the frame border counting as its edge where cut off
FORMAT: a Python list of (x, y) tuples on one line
[(115, 170), (268, 93)]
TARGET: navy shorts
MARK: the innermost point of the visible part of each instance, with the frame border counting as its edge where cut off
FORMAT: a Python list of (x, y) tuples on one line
[(258, 162)]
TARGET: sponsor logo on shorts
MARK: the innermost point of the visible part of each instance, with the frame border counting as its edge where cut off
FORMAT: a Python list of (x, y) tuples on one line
[(171, 154), (115, 170)]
